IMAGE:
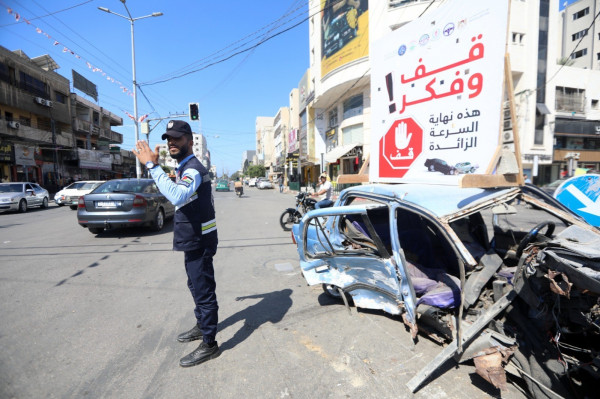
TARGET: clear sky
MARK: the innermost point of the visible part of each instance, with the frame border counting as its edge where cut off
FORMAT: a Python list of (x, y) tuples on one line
[(185, 40)]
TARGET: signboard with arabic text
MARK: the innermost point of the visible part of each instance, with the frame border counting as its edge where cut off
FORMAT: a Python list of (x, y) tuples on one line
[(436, 89)]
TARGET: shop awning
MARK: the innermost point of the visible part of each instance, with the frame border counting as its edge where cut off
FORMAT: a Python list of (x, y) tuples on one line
[(542, 109), (338, 152)]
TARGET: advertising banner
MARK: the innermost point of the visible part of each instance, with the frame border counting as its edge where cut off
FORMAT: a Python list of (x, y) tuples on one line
[(89, 159), (344, 32), (24, 155), (436, 89)]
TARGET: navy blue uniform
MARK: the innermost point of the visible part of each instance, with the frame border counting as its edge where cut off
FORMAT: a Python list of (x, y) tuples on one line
[(195, 234)]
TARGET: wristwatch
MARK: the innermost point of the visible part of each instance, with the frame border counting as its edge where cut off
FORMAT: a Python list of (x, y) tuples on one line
[(150, 165)]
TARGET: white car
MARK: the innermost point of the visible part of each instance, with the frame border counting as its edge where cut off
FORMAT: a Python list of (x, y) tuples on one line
[(264, 183), (252, 182), (70, 194), (19, 196)]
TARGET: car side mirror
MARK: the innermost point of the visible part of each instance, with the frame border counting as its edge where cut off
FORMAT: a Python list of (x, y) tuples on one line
[(30, 192)]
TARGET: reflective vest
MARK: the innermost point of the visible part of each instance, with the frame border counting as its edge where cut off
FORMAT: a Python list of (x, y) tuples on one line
[(195, 224)]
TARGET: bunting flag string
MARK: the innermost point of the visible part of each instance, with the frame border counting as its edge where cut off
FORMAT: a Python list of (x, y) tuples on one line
[(19, 17), (140, 119)]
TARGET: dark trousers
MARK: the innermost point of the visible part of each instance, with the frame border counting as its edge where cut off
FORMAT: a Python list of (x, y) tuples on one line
[(201, 282)]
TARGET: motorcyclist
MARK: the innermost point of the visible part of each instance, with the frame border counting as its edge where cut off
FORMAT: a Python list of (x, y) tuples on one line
[(326, 191), (239, 186)]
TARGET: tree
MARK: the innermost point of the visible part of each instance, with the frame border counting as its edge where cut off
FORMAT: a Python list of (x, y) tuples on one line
[(566, 61), (256, 171)]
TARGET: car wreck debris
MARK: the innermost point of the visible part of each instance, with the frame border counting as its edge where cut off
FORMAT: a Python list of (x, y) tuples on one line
[(503, 283)]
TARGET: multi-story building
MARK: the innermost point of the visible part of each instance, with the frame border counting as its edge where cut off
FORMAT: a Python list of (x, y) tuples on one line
[(35, 125), (581, 34), (97, 155), (50, 135), (280, 138), (577, 91), (264, 140)]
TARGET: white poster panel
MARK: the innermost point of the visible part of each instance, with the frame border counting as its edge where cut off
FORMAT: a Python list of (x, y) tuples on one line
[(24, 155), (436, 89)]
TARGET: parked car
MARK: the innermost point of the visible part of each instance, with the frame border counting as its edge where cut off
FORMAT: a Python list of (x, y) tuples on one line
[(222, 185), (123, 203), (252, 182), (20, 196), (466, 167), (500, 275), (263, 183), (438, 165), (70, 194), (550, 188)]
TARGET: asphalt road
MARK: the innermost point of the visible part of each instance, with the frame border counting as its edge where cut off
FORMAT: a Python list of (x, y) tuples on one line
[(97, 316)]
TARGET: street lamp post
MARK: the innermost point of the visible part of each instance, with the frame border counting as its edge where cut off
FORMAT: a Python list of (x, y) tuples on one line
[(138, 169)]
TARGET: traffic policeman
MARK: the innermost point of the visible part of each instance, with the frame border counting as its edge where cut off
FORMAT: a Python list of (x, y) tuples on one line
[(194, 233)]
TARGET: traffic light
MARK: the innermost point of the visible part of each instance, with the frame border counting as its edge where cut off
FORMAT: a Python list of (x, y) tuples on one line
[(194, 111)]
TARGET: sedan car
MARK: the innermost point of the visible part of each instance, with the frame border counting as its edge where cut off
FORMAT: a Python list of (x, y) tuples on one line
[(222, 185), (252, 182), (499, 275), (264, 183), (70, 194), (124, 203), (19, 196), (466, 167), (439, 165)]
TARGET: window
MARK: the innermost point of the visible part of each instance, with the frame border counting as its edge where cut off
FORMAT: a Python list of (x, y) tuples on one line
[(517, 38), (569, 99), (579, 35), (579, 54), (353, 106), (32, 85), (59, 97), (581, 13), (333, 118), (25, 121), (353, 134)]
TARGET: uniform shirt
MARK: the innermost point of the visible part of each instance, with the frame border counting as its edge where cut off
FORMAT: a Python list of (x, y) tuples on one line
[(187, 184)]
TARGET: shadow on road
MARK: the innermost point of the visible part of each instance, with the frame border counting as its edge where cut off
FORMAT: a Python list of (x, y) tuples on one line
[(271, 308)]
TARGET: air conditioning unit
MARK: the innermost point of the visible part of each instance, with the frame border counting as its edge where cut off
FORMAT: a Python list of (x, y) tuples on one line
[(13, 124), (43, 101)]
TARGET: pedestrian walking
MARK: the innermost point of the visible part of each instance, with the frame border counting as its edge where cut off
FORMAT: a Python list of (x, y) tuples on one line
[(280, 182), (194, 233)]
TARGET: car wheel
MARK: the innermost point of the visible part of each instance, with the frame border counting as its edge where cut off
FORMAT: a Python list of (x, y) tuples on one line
[(73, 207), (22, 206), (45, 203), (431, 168), (95, 230), (159, 220)]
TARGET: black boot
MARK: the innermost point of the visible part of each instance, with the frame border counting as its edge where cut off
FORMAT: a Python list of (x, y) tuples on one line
[(193, 335), (202, 353)]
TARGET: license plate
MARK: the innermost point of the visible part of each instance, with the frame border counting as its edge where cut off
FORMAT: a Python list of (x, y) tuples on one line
[(108, 204)]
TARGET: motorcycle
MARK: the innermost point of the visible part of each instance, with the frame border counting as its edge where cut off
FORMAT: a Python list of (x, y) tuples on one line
[(239, 191), (292, 216)]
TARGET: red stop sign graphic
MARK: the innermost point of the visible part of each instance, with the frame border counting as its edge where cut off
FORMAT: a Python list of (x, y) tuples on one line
[(400, 147)]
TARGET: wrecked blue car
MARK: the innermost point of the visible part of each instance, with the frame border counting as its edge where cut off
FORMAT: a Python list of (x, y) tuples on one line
[(470, 268)]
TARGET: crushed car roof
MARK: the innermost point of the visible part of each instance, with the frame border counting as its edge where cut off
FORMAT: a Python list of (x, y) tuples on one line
[(439, 200)]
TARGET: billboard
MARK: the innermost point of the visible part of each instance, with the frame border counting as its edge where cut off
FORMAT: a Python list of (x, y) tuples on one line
[(344, 32), (81, 83), (436, 89)]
